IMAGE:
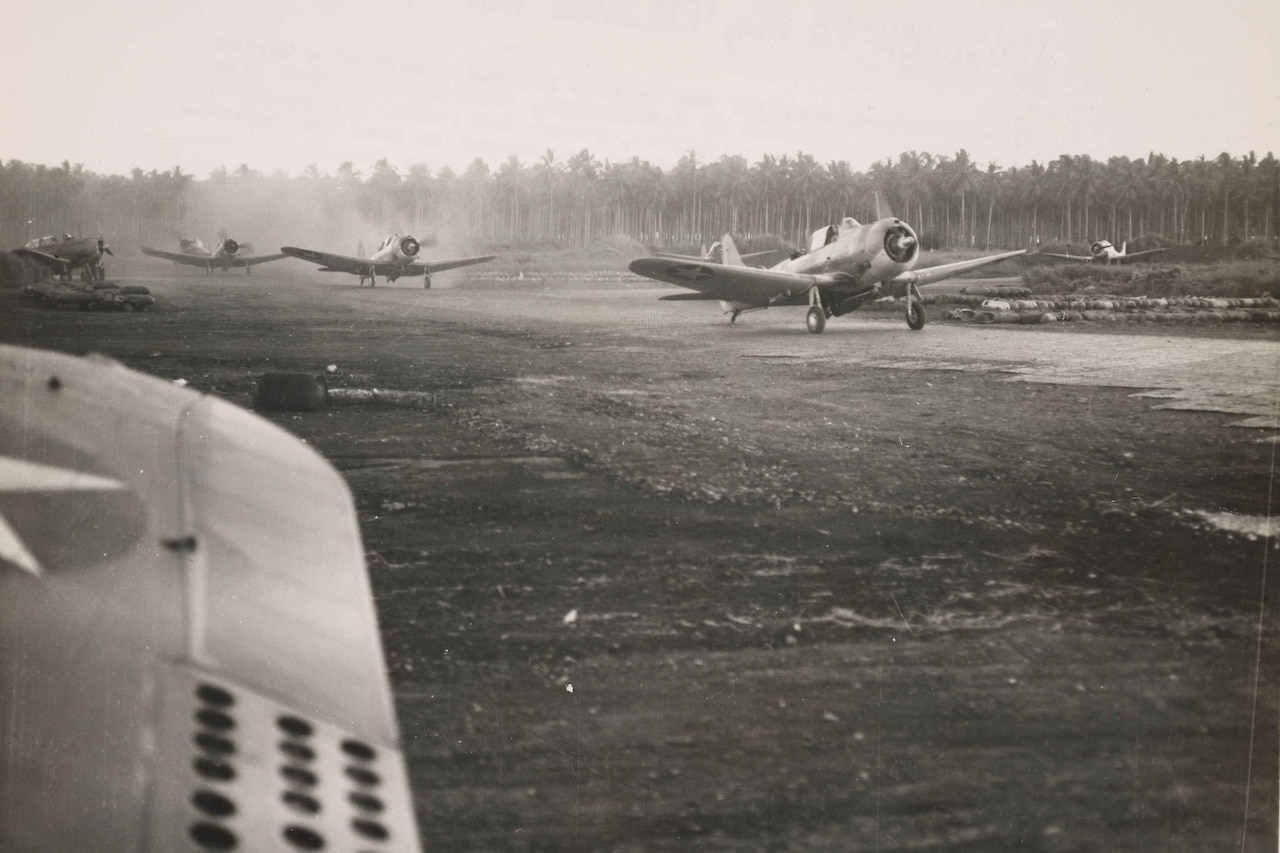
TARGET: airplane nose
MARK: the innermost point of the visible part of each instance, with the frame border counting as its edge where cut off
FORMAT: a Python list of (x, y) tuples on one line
[(900, 243)]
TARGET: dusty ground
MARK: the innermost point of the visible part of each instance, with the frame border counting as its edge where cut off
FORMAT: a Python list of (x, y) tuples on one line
[(648, 581)]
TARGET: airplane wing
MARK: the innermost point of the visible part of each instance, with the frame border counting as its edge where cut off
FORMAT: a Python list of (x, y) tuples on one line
[(188, 643), (330, 261), (449, 263), (178, 257), (249, 260), (1131, 255), (44, 259), (1064, 257), (745, 285), (360, 266), (932, 275)]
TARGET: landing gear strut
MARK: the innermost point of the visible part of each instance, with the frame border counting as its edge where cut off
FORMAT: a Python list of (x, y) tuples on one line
[(915, 309), (816, 319)]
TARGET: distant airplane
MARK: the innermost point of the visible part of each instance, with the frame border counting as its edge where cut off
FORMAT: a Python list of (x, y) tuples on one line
[(226, 255), (189, 650), (1104, 252), (63, 254), (396, 256), (847, 265)]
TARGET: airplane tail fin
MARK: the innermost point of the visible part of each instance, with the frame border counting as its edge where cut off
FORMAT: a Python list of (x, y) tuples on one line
[(731, 256)]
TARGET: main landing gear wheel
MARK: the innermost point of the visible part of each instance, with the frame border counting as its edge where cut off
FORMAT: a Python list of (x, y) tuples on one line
[(733, 316), (816, 319), (915, 316), (426, 282)]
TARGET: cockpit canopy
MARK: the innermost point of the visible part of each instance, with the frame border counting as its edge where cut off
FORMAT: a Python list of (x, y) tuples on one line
[(829, 233)]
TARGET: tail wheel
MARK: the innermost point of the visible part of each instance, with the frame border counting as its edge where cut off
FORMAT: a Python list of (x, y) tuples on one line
[(816, 319), (915, 316)]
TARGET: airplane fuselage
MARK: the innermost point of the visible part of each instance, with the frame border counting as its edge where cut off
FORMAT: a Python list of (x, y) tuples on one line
[(398, 250), (871, 253)]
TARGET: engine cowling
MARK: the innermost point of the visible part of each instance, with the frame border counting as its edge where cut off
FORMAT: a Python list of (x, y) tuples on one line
[(230, 247), (409, 247), (900, 243)]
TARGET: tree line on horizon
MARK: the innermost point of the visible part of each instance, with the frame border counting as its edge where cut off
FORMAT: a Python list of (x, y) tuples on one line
[(950, 200)]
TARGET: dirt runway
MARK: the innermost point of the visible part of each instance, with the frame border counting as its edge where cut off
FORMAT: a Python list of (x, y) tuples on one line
[(649, 581)]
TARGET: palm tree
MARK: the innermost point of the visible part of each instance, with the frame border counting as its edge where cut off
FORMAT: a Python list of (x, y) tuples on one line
[(961, 178)]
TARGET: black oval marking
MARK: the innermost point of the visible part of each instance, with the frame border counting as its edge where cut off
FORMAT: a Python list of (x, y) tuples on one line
[(211, 694), (297, 750), (370, 829), (215, 744), (211, 769), (213, 804), (303, 838), (362, 777), (366, 802), (299, 776), (210, 836), (359, 750), (295, 726), (301, 802), (215, 720)]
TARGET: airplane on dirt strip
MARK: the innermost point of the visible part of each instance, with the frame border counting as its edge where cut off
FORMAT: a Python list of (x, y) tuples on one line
[(396, 256), (1104, 252), (847, 266), (227, 254), (63, 254), (188, 642)]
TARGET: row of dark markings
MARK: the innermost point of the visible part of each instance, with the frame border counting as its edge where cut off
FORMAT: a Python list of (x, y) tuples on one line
[(213, 763)]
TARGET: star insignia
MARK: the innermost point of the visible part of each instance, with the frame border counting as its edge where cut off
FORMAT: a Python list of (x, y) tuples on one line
[(18, 476)]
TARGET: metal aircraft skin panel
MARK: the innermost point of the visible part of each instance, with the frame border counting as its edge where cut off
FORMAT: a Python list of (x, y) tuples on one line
[(153, 540)]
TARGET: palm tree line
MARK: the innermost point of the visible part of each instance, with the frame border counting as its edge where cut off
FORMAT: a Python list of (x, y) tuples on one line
[(952, 201)]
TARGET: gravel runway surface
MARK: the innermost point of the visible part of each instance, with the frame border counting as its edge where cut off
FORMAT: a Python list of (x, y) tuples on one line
[(650, 581)]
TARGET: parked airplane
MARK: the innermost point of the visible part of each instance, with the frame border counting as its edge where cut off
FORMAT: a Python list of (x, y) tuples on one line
[(63, 254), (1104, 252), (396, 256), (847, 265), (189, 650), (226, 255)]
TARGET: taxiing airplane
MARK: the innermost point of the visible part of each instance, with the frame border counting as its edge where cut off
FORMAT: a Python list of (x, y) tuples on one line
[(396, 256), (63, 254), (226, 255), (847, 266), (189, 649), (1104, 252)]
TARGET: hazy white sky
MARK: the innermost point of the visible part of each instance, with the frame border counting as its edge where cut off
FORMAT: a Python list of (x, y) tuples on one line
[(154, 83)]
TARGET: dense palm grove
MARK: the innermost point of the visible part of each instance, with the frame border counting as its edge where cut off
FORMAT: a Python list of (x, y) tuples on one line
[(952, 201)]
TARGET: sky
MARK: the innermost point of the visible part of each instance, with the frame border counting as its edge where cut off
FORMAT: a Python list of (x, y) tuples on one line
[(281, 85)]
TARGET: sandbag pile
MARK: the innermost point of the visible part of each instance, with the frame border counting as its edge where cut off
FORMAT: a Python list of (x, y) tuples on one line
[(1181, 309), (96, 296)]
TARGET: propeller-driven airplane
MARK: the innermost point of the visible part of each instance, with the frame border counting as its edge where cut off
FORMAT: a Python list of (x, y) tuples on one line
[(1104, 252), (396, 256), (63, 254), (226, 255), (189, 649), (847, 266)]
